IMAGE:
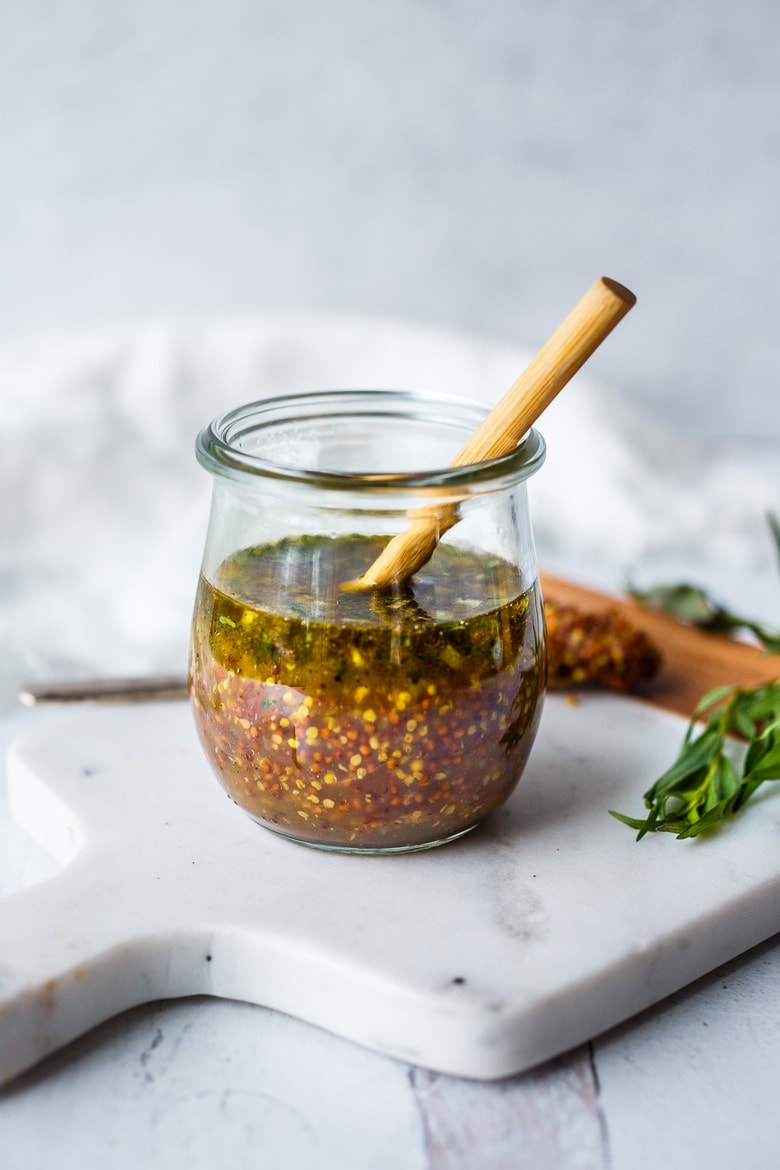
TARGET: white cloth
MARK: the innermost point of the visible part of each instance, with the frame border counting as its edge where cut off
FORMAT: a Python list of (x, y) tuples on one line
[(104, 509)]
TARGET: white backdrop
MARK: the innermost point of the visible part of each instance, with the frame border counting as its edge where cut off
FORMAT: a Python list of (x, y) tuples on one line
[(476, 163)]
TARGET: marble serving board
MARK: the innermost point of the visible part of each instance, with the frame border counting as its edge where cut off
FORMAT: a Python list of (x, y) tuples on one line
[(542, 928)]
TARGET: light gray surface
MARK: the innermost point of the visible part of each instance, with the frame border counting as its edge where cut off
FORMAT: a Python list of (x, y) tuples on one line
[(475, 164), (472, 163)]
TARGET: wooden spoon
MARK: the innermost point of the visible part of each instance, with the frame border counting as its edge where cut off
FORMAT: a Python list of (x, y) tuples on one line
[(570, 346)]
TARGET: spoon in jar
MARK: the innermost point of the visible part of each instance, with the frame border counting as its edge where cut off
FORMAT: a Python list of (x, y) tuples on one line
[(575, 339), (580, 333)]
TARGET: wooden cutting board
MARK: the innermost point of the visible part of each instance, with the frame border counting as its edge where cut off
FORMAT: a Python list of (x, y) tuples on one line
[(694, 661)]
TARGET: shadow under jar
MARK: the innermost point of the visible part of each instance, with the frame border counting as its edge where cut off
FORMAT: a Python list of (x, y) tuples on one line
[(375, 721)]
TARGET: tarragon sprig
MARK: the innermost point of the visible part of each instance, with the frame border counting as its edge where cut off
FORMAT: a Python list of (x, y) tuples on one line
[(714, 776)]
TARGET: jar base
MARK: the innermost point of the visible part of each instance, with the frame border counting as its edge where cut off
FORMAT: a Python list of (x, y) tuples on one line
[(369, 850)]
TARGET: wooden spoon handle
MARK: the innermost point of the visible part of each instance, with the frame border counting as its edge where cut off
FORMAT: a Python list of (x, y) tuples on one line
[(570, 346), (572, 343)]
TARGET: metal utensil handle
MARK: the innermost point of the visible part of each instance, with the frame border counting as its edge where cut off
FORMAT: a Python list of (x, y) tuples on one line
[(105, 690)]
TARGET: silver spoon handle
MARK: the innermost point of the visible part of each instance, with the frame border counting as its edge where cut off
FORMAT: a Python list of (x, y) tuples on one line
[(105, 690)]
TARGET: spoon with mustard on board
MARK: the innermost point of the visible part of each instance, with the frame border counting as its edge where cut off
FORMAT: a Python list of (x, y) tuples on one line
[(580, 333)]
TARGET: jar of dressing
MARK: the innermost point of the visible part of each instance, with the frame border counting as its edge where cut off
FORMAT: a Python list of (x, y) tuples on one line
[(370, 720)]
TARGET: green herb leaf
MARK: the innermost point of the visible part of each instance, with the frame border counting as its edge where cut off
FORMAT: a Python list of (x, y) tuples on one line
[(774, 527), (689, 603), (714, 775)]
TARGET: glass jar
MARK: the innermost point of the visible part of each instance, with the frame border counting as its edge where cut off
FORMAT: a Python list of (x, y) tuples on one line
[(369, 721)]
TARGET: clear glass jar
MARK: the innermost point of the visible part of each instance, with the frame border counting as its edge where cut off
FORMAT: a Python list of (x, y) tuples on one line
[(373, 721)]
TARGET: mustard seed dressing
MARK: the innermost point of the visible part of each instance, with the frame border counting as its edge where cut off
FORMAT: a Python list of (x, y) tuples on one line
[(366, 721)]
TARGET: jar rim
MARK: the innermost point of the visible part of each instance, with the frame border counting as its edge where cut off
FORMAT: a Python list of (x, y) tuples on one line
[(218, 447)]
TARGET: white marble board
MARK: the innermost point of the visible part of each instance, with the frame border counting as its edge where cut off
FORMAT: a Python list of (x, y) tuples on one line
[(539, 930)]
